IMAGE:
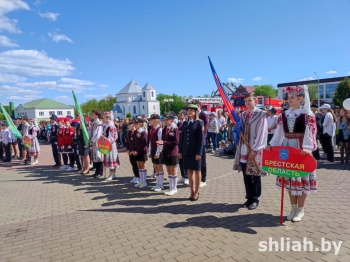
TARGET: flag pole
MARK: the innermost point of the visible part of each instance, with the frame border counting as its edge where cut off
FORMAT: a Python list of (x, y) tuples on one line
[(249, 151), (282, 201)]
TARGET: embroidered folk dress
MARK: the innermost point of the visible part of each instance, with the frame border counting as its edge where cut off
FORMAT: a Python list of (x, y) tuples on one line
[(297, 129), (34, 148), (255, 132), (110, 133), (96, 133)]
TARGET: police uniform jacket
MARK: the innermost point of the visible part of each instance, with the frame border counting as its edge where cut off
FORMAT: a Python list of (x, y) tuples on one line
[(192, 136), (54, 133)]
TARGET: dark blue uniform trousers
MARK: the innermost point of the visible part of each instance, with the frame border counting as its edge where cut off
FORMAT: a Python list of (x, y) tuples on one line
[(55, 153), (252, 185)]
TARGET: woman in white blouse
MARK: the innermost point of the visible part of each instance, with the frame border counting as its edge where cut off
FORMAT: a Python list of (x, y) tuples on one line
[(296, 127)]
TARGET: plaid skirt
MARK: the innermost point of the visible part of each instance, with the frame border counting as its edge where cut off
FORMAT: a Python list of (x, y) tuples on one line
[(34, 149)]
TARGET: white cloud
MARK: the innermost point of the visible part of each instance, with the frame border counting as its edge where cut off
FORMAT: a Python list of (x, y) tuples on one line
[(77, 81), (63, 99), (50, 16), (307, 78), (37, 2), (6, 6), (235, 80), (331, 72), (14, 93), (23, 98), (349, 73), (10, 78), (44, 84), (96, 96), (33, 63), (57, 38), (105, 86), (5, 41), (42, 39), (257, 78)]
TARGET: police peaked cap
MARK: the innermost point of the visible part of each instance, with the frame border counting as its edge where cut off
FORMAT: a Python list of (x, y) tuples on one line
[(54, 117)]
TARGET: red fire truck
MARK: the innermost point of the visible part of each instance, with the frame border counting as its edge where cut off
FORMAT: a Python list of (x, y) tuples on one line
[(239, 105)]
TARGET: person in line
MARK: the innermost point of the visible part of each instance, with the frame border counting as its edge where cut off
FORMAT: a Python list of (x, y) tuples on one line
[(83, 149), (74, 125), (130, 146), (343, 136), (34, 148), (6, 142), (155, 151), (96, 132), (67, 146), (24, 132), (328, 125), (248, 156), (170, 142), (191, 148), (140, 151), (318, 116), (53, 139), (297, 128), (271, 123), (213, 131), (183, 171)]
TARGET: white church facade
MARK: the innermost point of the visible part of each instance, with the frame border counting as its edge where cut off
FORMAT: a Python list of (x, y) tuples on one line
[(136, 100)]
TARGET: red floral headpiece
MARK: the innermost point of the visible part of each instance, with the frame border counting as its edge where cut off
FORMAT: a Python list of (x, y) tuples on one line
[(298, 90)]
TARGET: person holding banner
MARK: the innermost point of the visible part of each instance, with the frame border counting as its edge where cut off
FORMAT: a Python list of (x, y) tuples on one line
[(249, 151), (296, 127), (34, 148), (110, 133)]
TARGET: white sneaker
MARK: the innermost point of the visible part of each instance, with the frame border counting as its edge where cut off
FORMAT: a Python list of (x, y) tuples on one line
[(167, 192), (143, 185), (35, 162), (213, 151), (154, 187), (159, 188), (111, 178), (70, 169), (186, 182), (137, 180), (137, 184), (181, 180), (292, 212), (299, 214), (203, 184), (133, 180), (153, 175), (63, 167), (172, 192), (91, 165)]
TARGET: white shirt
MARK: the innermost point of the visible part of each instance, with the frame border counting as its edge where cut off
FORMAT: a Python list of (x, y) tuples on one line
[(329, 125), (221, 120), (272, 121)]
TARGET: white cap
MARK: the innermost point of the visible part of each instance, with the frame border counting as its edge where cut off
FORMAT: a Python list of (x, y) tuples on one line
[(327, 106)]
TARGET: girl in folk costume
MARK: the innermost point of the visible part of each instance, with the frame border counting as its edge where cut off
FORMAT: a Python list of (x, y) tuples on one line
[(140, 151), (110, 133), (155, 151), (191, 147), (296, 127), (130, 147), (67, 146), (170, 142), (96, 132), (34, 148), (255, 132), (24, 132)]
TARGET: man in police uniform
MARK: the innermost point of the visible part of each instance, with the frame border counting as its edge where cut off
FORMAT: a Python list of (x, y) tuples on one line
[(53, 139)]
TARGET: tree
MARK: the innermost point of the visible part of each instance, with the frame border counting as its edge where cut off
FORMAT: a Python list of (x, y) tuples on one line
[(175, 106), (206, 95), (313, 92), (265, 90), (342, 92), (128, 115), (105, 104), (2, 117)]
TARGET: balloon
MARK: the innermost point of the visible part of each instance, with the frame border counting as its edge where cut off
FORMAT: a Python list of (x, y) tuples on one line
[(346, 104)]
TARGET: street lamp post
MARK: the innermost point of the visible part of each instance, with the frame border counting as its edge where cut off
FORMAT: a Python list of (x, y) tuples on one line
[(318, 90), (168, 100)]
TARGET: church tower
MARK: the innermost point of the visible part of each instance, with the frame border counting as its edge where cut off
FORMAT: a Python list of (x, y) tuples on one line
[(148, 93)]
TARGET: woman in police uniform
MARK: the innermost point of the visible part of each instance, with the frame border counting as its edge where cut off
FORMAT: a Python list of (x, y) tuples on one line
[(190, 149)]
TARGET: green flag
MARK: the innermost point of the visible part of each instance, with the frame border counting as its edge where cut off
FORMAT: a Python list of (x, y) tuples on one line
[(82, 121), (9, 121)]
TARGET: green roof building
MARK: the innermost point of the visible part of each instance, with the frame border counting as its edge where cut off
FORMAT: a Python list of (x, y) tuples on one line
[(42, 109)]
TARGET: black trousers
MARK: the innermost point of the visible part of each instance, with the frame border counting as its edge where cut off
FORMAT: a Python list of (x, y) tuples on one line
[(133, 163), (316, 154), (1, 151), (20, 148), (8, 152), (326, 141), (55, 153), (76, 156), (252, 185), (269, 137), (204, 165), (99, 168), (182, 170)]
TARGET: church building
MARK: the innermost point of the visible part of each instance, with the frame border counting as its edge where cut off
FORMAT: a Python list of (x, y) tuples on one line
[(136, 100)]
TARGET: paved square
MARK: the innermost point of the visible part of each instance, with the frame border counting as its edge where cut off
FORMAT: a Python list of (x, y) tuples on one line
[(50, 215)]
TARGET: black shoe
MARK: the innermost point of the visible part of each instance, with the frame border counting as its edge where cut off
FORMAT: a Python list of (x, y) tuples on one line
[(97, 176), (7, 160), (254, 205), (195, 199), (246, 204), (93, 169), (83, 174), (56, 165)]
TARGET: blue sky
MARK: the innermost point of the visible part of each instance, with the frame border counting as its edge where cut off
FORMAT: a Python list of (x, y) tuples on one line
[(49, 47)]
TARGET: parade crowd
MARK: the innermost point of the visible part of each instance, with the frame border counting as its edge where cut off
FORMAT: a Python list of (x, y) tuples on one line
[(178, 143)]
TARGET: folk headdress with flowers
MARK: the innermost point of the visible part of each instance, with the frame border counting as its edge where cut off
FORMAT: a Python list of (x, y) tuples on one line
[(298, 90)]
